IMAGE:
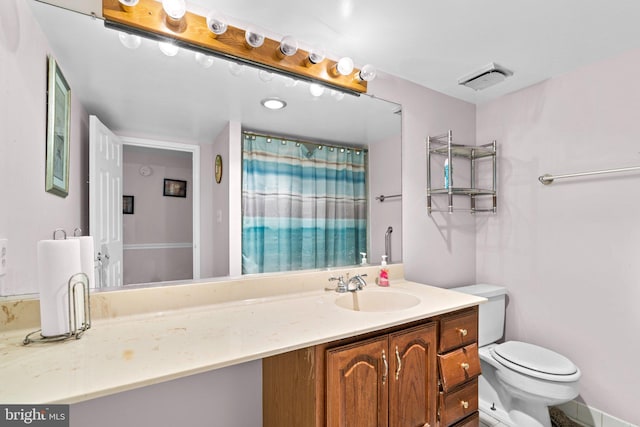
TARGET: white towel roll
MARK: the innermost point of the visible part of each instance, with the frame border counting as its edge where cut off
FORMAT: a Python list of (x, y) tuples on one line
[(88, 267), (87, 263), (58, 260)]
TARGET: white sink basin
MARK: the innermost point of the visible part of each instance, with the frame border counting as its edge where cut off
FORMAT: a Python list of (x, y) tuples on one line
[(377, 301)]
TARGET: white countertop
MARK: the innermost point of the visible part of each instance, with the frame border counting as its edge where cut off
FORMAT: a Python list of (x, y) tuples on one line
[(133, 351)]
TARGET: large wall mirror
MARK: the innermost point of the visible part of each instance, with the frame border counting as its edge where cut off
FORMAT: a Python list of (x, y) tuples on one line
[(174, 111)]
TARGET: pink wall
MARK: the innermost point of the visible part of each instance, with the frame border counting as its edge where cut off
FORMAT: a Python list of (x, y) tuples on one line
[(229, 397), (27, 212), (439, 249), (157, 219), (220, 205), (207, 183), (569, 252), (385, 177)]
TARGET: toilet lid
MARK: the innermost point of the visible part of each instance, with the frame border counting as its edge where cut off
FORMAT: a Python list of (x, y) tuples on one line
[(535, 361)]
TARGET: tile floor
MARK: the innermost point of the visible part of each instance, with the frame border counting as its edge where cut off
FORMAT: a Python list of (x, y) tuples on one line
[(487, 421)]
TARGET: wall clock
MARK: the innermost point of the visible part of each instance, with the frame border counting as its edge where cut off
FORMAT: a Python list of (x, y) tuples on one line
[(218, 168)]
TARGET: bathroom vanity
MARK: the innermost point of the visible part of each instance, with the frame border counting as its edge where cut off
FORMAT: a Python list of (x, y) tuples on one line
[(416, 374), (309, 340)]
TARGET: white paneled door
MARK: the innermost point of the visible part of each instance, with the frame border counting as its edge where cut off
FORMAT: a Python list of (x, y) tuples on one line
[(105, 202)]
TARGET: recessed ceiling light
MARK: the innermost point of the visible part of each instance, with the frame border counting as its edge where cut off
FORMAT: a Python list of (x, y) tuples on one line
[(273, 103)]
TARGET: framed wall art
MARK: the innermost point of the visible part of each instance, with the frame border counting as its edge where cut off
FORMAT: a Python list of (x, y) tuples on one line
[(58, 134), (175, 188), (127, 205)]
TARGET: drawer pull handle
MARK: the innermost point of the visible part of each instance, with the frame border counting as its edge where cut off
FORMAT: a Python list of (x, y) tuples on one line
[(399, 364), (463, 332), (386, 368), (464, 404), (464, 365)]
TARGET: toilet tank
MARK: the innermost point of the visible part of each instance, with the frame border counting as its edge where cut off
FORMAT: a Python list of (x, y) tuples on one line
[(491, 313)]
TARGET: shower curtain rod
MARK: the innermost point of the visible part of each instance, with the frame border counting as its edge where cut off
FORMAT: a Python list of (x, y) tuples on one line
[(548, 179), (320, 144)]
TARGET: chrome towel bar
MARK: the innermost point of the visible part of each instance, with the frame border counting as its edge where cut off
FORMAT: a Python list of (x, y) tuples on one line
[(382, 197), (548, 179)]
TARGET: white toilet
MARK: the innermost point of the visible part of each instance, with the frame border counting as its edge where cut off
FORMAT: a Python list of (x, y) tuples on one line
[(519, 381)]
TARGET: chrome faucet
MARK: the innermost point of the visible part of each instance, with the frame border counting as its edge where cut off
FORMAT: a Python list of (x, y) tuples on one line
[(353, 284), (358, 282)]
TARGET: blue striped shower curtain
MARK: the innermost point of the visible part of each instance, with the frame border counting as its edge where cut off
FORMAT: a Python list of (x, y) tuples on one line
[(304, 205)]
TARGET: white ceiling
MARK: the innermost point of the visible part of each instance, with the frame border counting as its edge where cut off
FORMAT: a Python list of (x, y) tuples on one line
[(434, 42)]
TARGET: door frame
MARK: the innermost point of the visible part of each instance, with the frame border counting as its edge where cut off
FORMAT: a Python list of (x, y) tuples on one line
[(195, 172)]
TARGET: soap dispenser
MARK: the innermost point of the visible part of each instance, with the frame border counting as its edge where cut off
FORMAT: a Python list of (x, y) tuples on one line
[(383, 276), (363, 261)]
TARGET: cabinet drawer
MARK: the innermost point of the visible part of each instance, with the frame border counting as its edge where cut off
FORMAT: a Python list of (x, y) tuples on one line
[(458, 330), (457, 404), (459, 366), (471, 421)]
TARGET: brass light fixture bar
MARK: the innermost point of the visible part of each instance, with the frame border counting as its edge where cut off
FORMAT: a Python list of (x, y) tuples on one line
[(148, 19)]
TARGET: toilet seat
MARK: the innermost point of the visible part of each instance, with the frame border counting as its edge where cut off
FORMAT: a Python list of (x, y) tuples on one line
[(535, 361)]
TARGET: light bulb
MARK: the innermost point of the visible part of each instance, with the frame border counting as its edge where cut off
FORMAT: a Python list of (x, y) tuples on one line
[(205, 61), (345, 66), (235, 68), (317, 55), (168, 49), (289, 81), (254, 38), (367, 73), (130, 41), (337, 95), (216, 22), (175, 9), (128, 5), (316, 90), (265, 76), (288, 46)]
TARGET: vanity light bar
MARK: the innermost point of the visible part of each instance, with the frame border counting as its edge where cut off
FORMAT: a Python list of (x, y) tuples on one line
[(147, 18)]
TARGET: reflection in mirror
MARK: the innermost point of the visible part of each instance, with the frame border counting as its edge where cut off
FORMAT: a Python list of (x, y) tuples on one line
[(304, 205), (146, 97)]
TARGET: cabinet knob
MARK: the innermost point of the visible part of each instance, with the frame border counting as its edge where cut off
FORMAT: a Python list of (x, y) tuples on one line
[(463, 332), (464, 365), (464, 404)]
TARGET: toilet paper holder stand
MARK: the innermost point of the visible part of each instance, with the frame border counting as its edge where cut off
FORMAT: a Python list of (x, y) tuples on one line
[(77, 327)]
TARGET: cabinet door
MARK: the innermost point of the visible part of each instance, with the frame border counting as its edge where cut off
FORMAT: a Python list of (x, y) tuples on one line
[(413, 377), (357, 384)]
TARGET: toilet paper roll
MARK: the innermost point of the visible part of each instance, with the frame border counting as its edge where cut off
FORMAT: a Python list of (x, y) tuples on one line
[(58, 260), (87, 266)]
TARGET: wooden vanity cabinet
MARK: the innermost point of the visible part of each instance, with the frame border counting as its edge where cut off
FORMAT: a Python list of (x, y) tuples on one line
[(357, 384), (459, 367), (387, 381), (387, 378)]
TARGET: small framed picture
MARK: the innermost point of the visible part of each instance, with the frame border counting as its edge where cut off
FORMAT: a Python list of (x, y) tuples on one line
[(127, 205), (58, 120), (175, 188)]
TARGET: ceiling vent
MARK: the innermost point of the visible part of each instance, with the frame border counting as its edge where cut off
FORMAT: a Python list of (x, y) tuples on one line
[(485, 77)]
